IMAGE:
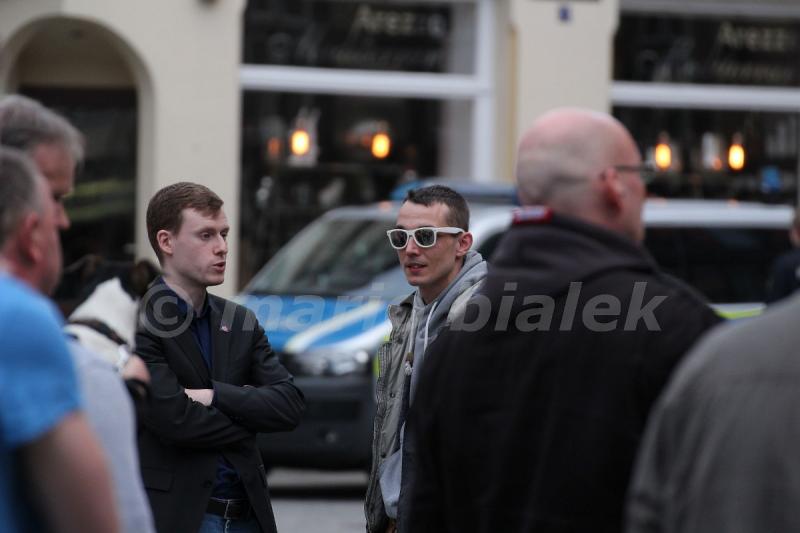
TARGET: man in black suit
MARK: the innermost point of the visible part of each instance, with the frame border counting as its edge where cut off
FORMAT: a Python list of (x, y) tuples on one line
[(215, 380)]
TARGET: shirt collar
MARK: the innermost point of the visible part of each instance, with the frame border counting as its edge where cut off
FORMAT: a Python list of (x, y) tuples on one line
[(184, 306)]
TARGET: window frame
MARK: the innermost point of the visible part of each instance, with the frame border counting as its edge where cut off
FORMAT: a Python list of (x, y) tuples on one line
[(477, 88)]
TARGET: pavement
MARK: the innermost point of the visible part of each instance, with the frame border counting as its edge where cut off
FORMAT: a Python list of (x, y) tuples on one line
[(309, 500)]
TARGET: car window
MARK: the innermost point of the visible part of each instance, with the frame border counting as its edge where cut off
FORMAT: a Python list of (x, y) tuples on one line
[(727, 265), (333, 257), (343, 256)]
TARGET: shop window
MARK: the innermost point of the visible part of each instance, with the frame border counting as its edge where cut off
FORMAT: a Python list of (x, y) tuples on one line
[(327, 121), (303, 154), (743, 155)]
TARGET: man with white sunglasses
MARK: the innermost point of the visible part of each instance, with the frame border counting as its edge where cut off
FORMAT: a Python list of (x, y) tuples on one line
[(433, 244)]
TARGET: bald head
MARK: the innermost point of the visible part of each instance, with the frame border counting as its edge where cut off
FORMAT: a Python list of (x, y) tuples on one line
[(569, 160), (564, 149)]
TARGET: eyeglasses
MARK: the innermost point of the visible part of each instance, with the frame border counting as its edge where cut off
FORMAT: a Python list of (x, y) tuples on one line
[(424, 237), (645, 170)]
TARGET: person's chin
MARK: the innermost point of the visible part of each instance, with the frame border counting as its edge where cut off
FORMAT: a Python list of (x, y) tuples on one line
[(415, 280), (217, 279)]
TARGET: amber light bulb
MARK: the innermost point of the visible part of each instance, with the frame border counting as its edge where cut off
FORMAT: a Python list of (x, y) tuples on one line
[(736, 154), (300, 142), (381, 145), (663, 153)]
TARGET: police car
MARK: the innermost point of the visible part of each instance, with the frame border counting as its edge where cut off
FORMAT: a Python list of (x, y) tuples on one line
[(322, 301)]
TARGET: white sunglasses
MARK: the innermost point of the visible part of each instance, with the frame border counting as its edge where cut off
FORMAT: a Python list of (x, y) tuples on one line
[(424, 237)]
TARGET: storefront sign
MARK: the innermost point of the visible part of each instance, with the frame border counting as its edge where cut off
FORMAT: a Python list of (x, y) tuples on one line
[(346, 34), (698, 50)]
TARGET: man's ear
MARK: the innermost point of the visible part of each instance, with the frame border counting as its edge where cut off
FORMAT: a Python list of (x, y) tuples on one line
[(164, 240), (464, 244), (26, 241), (613, 190)]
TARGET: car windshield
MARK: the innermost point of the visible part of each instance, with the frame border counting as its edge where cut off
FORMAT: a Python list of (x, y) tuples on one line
[(336, 256)]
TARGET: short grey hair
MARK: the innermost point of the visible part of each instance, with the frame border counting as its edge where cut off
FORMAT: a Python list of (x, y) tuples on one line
[(19, 184), (26, 124)]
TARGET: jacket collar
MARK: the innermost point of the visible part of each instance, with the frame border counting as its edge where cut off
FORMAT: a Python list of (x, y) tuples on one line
[(220, 323), (184, 307)]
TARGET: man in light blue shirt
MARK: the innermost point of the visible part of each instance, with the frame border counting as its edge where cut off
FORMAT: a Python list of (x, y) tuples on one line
[(53, 474), (38, 390), (56, 148)]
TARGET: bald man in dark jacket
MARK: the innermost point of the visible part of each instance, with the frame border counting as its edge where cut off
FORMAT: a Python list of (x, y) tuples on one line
[(531, 411)]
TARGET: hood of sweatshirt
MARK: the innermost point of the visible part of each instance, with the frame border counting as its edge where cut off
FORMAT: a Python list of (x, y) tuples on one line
[(430, 319)]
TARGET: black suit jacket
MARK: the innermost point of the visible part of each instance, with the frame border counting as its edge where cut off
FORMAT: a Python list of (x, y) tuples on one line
[(181, 439)]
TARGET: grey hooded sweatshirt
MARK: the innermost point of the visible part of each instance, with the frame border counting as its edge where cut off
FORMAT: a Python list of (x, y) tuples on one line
[(427, 322)]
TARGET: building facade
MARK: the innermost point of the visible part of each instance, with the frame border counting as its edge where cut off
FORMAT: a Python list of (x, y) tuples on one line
[(289, 108), (711, 91)]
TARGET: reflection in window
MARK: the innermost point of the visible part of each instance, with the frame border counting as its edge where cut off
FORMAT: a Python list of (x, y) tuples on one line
[(718, 154)]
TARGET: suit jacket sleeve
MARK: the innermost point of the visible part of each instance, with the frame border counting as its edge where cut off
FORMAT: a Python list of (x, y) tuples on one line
[(172, 415), (271, 402)]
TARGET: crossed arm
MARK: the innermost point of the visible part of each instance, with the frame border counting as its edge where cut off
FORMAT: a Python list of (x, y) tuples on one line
[(226, 414), (270, 402)]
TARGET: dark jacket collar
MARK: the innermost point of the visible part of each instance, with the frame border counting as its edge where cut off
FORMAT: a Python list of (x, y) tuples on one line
[(220, 324), (183, 306), (563, 249)]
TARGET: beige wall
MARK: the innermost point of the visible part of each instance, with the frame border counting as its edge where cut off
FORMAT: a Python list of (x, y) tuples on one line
[(560, 63), (184, 58), (505, 91)]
